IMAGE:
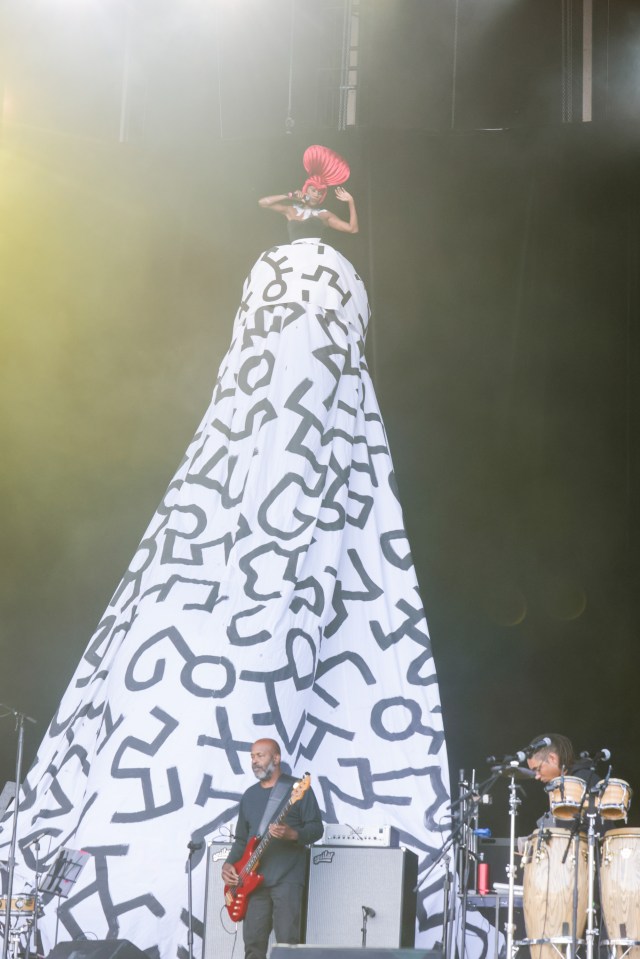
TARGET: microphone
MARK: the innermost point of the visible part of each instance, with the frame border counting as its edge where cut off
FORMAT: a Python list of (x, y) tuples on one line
[(368, 911), (602, 756), (529, 750), (542, 834), (194, 845), (38, 836)]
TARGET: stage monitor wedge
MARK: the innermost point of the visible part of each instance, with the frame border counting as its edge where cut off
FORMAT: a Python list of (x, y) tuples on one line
[(337, 952), (97, 949)]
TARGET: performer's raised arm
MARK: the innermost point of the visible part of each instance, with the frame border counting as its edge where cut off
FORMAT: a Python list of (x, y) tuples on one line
[(281, 202), (335, 222)]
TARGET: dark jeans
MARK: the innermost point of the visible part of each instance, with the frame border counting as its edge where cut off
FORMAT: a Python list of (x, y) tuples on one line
[(274, 907)]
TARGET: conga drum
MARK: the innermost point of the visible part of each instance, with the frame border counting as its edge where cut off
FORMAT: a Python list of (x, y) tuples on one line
[(566, 796), (620, 890), (548, 886), (613, 799)]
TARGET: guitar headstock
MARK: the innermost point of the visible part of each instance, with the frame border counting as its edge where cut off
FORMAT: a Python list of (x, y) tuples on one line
[(299, 789)]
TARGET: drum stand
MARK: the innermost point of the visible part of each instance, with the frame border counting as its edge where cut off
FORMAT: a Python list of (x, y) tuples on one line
[(625, 944), (514, 802), (511, 770), (591, 930), (33, 925), (622, 943), (467, 851), (462, 843), (456, 840), (449, 919)]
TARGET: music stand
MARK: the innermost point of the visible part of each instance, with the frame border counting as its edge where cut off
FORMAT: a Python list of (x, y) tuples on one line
[(63, 873)]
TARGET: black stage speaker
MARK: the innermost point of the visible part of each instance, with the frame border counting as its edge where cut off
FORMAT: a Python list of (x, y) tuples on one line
[(343, 879), (222, 936), (337, 952), (97, 949)]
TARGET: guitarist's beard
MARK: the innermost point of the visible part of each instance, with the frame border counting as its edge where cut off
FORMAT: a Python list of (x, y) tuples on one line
[(264, 772)]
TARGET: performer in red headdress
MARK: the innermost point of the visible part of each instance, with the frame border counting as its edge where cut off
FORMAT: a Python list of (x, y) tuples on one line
[(272, 600), (302, 208)]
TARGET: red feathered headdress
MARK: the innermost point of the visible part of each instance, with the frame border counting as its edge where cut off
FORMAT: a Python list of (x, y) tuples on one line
[(325, 168)]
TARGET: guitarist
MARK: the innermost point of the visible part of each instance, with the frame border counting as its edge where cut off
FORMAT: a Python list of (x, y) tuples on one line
[(277, 903)]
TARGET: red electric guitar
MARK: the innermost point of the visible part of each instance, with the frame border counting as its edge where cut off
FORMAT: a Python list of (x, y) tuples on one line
[(237, 897)]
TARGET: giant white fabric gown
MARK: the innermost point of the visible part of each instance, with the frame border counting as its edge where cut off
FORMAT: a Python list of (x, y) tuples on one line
[(273, 594)]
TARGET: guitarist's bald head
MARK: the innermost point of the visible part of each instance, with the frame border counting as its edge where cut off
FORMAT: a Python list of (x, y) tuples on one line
[(270, 744)]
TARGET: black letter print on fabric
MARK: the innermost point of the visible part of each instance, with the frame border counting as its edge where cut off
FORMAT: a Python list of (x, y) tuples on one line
[(370, 592), (367, 787), (414, 615), (300, 648), (226, 741), (224, 667), (152, 810), (410, 712), (276, 288), (100, 888), (333, 662)]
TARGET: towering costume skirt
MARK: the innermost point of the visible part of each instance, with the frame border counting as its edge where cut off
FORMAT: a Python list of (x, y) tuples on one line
[(273, 594)]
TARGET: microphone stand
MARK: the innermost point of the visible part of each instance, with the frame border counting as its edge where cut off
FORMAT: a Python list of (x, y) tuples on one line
[(449, 915), (365, 916), (20, 721), (514, 802), (192, 847), (464, 853), (449, 903), (591, 931), (446, 896), (468, 802), (574, 837), (33, 925), (468, 849)]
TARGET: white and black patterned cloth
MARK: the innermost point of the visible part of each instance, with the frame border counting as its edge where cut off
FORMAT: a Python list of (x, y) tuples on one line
[(273, 594)]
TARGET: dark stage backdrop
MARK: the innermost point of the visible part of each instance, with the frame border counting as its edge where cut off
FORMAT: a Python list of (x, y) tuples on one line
[(507, 365), (503, 273)]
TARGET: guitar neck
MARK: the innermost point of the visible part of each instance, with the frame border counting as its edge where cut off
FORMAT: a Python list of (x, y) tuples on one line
[(258, 852)]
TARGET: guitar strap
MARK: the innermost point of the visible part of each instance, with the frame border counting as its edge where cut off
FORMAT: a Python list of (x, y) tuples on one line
[(279, 793)]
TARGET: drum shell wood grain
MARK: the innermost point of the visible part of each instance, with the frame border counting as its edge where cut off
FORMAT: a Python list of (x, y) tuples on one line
[(548, 886), (620, 886), (613, 803), (565, 796)]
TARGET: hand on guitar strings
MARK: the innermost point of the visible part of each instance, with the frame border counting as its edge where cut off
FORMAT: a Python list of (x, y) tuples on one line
[(229, 874), (283, 832)]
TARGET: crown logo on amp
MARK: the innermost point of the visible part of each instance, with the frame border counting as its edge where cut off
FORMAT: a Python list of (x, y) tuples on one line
[(325, 856)]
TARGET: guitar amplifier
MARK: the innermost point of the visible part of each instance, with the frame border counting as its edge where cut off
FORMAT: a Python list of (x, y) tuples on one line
[(222, 938), (343, 880), (343, 835)]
